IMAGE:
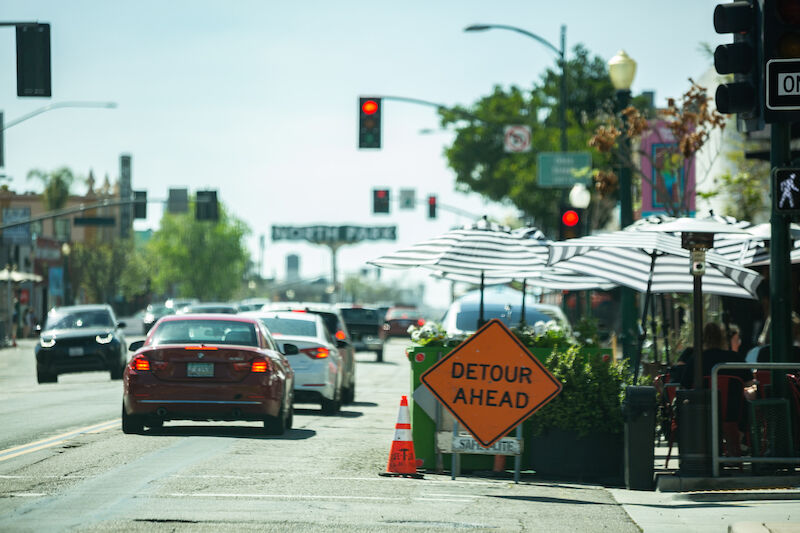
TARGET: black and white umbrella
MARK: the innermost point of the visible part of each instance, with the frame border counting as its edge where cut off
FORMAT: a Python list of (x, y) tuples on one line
[(472, 251), (650, 262)]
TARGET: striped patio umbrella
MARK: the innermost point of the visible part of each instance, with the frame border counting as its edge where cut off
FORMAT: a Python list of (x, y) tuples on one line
[(472, 252)]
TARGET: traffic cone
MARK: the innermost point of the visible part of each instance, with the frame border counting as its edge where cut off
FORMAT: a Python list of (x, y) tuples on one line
[(402, 462)]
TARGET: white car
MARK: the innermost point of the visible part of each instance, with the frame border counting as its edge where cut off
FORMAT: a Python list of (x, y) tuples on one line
[(318, 366)]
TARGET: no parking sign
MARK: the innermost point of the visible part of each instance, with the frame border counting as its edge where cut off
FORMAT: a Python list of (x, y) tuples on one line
[(517, 139)]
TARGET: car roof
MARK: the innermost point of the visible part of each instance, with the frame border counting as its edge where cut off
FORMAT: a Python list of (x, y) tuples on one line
[(311, 317), (84, 307), (210, 316)]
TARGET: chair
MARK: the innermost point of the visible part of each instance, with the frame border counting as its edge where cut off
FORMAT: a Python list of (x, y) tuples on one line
[(769, 417), (764, 380), (663, 381), (730, 428), (794, 389)]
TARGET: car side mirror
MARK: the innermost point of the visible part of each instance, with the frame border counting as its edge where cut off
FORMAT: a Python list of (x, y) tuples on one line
[(121, 325), (290, 349), (132, 347)]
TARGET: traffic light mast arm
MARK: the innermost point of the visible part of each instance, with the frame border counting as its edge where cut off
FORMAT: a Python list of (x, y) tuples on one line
[(440, 107), (456, 210), (67, 211)]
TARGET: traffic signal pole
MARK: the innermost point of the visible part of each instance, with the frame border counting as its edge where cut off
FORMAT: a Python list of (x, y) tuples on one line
[(779, 262)]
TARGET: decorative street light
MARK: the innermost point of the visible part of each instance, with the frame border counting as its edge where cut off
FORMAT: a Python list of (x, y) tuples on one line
[(562, 104), (621, 70)]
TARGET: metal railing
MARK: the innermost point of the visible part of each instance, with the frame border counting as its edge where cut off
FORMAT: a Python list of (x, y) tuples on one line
[(716, 460)]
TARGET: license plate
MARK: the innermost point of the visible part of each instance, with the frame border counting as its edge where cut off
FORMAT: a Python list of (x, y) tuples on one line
[(76, 350), (200, 370)]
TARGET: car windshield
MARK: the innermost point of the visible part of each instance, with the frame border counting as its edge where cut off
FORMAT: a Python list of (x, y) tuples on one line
[(205, 332), (209, 309), (79, 319), (290, 327), (361, 316), (467, 320)]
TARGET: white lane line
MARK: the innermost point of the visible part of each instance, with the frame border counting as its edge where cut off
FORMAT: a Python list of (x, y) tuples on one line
[(426, 480), (23, 495), (302, 497), (23, 449)]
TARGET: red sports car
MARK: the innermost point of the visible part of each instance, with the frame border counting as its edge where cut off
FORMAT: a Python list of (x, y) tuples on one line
[(208, 367), (397, 321)]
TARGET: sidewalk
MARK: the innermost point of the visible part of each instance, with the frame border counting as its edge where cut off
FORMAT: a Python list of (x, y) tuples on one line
[(739, 510)]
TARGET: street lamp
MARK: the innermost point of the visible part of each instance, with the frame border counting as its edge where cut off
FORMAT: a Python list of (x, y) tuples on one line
[(621, 70), (562, 107), (65, 251), (56, 105)]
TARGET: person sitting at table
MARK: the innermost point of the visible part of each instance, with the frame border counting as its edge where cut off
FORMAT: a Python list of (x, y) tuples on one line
[(716, 350)]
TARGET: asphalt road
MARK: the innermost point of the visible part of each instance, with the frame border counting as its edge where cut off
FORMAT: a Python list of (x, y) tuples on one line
[(66, 465)]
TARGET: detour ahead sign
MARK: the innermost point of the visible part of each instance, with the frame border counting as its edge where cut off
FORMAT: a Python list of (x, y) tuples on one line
[(491, 383)]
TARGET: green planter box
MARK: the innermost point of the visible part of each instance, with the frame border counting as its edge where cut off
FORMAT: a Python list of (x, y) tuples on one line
[(423, 427), (560, 454)]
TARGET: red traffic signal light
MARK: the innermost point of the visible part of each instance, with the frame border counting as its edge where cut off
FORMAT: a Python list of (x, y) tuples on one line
[(380, 201), (570, 218), (369, 122), (432, 206)]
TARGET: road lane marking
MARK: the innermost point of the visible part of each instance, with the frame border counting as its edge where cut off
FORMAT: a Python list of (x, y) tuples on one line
[(49, 442), (308, 497)]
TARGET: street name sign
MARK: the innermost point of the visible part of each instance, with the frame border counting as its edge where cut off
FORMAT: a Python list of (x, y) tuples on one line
[(782, 91), (333, 234), (491, 383), (560, 169)]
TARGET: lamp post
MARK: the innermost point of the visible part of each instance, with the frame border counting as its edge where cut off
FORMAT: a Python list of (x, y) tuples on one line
[(562, 104), (56, 105), (621, 70), (65, 251)]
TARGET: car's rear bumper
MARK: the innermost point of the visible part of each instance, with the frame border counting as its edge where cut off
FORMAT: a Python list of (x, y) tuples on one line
[(311, 386)]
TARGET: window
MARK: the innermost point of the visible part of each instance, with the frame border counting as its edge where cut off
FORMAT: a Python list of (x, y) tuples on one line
[(290, 327), (205, 332)]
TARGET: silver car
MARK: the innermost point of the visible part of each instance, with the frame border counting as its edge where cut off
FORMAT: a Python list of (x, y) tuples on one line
[(318, 367)]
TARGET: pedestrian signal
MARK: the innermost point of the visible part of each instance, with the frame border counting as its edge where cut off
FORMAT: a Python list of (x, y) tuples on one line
[(787, 189)]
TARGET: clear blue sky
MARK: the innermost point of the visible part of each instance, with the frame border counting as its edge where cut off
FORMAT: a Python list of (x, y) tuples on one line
[(258, 99)]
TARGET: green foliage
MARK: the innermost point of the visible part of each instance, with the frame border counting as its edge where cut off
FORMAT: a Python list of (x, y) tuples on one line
[(477, 154), (102, 270), (198, 259), (592, 394), (56, 186), (543, 335), (587, 331)]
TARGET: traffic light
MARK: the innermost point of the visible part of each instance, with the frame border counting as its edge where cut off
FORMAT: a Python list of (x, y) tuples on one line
[(33, 60), (369, 122), (139, 204), (781, 60), (206, 207), (742, 58), (380, 201), (432, 206), (571, 223)]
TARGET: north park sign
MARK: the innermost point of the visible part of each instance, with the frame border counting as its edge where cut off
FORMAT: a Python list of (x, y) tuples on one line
[(334, 234)]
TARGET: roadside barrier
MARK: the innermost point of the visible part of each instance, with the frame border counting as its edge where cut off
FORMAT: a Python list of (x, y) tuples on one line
[(402, 462)]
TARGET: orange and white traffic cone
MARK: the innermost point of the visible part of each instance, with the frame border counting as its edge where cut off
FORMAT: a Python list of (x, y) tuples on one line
[(402, 462)]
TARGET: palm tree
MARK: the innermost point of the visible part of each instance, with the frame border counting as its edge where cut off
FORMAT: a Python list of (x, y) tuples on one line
[(56, 186)]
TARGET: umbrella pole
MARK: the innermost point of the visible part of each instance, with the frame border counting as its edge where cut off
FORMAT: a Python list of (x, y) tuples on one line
[(643, 325), (522, 315), (480, 309), (665, 328), (654, 329)]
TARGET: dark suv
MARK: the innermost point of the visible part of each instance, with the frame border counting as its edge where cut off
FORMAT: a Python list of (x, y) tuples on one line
[(335, 323), (364, 324)]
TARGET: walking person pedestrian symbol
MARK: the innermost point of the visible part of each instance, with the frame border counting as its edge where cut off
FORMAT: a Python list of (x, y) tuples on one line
[(788, 186)]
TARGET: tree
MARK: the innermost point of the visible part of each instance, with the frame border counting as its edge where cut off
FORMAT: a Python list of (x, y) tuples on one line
[(56, 186), (104, 270), (477, 154), (690, 122), (199, 259)]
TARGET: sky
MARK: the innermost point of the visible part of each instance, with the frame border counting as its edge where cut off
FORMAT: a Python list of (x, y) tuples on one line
[(258, 100)]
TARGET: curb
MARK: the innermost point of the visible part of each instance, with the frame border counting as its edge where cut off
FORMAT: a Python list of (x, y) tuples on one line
[(676, 483)]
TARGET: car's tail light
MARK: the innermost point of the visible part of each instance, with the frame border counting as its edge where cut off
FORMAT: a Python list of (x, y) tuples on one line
[(318, 352), (259, 365), (421, 322), (140, 363)]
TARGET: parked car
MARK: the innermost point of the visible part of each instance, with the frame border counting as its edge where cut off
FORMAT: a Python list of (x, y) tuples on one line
[(335, 323), (208, 367), (318, 365), (209, 307), (152, 314), (364, 325), (502, 303), (80, 338), (398, 319)]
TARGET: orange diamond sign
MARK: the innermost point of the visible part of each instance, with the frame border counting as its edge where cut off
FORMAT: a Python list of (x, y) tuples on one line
[(491, 383)]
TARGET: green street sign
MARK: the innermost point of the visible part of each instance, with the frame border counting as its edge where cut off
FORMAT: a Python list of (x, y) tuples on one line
[(560, 169)]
